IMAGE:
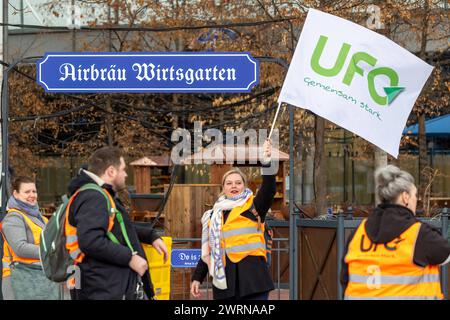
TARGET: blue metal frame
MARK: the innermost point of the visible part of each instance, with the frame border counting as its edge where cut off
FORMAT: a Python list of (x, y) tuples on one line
[(293, 232)]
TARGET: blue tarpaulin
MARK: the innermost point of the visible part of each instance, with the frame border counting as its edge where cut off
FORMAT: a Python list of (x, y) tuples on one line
[(436, 127)]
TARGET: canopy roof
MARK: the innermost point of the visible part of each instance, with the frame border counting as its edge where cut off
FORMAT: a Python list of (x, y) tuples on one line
[(439, 126)]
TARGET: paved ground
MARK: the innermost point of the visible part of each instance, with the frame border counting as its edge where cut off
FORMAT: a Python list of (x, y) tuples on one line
[(282, 294)]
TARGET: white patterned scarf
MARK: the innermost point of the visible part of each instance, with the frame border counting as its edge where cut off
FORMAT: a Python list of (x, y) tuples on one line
[(212, 253)]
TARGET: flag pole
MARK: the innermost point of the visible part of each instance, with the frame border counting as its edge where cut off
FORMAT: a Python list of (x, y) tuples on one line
[(275, 119)]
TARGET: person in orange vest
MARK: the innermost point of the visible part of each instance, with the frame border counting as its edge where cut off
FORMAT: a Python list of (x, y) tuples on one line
[(233, 245), (22, 276), (392, 255)]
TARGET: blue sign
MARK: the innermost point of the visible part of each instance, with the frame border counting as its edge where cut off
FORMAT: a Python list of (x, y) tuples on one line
[(147, 72), (185, 258)]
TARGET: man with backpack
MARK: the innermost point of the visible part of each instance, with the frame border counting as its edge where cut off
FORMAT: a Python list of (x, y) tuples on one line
[(101, 238)]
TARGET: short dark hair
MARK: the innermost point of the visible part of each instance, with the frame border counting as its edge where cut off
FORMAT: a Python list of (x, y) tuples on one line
[(103, 158), (17, 182)]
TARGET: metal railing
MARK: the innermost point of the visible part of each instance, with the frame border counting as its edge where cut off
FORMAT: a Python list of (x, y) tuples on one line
[(277, 249)]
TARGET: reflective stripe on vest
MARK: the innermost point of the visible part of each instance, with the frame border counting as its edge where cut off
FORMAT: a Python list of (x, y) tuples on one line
[(246, 247), (396, 279), (71, 232), (386, 271), (9, 256), (6, 260), (74, 254), (241, 236), (240, 231), (71, 238)]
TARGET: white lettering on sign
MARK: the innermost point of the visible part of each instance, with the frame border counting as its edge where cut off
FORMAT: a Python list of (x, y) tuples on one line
[(149, 72), (145, 72), (92, 73), (183, 256)]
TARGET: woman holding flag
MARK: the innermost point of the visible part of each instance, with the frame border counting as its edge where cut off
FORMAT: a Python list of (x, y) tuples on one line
[(233, 245)]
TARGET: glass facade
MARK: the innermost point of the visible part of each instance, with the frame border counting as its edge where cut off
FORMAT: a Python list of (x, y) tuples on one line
[(61, 13)]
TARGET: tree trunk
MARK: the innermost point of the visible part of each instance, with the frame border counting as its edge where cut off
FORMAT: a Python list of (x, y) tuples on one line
[(109, 123), (175, 119), (380, 157), (108, 118), (380, 161), (423, 157), (423, 160), (320, 167), (308, 183)]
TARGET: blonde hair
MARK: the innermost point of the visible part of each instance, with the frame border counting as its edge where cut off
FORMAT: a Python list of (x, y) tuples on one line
[(391, 182), (232, 171)]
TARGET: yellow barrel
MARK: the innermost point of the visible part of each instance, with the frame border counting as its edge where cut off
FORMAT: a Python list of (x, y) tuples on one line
[(159, 271)]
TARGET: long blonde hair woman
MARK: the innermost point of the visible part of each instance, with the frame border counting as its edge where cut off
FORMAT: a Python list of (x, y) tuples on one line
[(233, 245)]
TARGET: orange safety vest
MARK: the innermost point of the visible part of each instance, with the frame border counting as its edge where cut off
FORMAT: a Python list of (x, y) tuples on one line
[(242, 237), (387, 271), (9, 256), (71, 231)]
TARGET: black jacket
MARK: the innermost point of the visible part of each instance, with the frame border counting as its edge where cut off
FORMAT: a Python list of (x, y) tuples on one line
[(250, 275), (105, 274), (388, 221)]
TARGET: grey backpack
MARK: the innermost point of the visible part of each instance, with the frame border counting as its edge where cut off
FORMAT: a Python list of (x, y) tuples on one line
[(56, 261)]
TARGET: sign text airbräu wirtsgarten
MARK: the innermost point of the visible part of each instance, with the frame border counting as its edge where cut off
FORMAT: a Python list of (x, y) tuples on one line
[(148, 72)]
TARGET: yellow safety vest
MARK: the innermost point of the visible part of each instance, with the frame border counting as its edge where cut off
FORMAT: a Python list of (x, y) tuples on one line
[(387, 271), (241, 236), (9, 256)]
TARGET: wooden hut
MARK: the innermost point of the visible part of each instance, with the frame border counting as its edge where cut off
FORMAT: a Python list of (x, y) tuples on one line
[(151, 173)]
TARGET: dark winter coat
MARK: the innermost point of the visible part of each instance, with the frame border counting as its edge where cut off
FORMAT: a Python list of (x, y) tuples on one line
[(105, 273), (251, 275)]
